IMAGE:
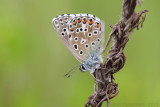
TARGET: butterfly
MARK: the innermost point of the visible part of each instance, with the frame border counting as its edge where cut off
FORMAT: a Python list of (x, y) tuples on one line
[(83, 35)]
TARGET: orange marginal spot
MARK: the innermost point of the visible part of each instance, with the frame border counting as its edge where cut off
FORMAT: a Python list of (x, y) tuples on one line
[(91, 22), (79, 21), (74, 23), (84, 21), (98, 25)]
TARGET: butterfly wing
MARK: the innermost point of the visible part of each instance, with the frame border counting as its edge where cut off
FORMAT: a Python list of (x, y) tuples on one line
[(83, 34), (60, 24), (86, 35)]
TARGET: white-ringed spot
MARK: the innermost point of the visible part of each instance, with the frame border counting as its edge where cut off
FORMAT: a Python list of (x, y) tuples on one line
[(76, 39), (89, 34), (93, 43), (83, 41), (75, 46), (81, 52), (98, 39), (86, 45)]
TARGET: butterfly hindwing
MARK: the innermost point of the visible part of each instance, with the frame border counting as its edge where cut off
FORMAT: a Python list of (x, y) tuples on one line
[(83, 34)]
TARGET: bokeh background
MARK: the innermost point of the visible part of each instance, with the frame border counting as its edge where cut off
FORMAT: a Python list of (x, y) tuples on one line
[(33, 59)]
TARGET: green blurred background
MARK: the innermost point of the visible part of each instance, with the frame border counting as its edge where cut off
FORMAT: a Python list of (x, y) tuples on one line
[(33, 59)]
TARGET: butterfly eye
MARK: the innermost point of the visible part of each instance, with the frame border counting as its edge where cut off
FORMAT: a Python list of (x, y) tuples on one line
[(83, 68)]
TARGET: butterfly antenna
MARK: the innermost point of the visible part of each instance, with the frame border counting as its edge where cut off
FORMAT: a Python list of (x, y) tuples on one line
[(71, 71)]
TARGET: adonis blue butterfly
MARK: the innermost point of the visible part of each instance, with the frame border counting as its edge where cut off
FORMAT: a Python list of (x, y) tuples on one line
[(83, 35)]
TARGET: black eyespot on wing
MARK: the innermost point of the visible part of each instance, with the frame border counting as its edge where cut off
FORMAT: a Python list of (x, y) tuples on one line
[(81, 29), (58, 27), (95, 32), (93, 43), (86, 45), (60, 20), (76, 38), (80, 52), (83, 41), (85, 29), (65, 18), (62, 33), (75, 46), (74, 20), (62, 24), (55, 22), (89, 34), (70, 26), (77, 30), (64, 29), (98, 39)]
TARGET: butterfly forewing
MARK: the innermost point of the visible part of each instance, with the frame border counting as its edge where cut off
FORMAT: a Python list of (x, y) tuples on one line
[(83, 34)]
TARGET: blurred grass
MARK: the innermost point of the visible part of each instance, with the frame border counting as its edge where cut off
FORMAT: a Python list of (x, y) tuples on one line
[(33, 59)]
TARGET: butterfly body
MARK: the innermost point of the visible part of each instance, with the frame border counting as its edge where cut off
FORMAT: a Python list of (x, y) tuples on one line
[(83, 35)]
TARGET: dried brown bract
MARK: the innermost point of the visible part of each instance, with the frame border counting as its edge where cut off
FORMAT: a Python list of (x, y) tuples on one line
[(106, 89)]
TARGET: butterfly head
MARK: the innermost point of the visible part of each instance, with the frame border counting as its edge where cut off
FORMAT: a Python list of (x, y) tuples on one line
[(92, 64), (83, 68)]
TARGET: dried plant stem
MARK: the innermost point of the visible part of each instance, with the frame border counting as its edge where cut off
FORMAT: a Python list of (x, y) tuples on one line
[(106, 88)]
